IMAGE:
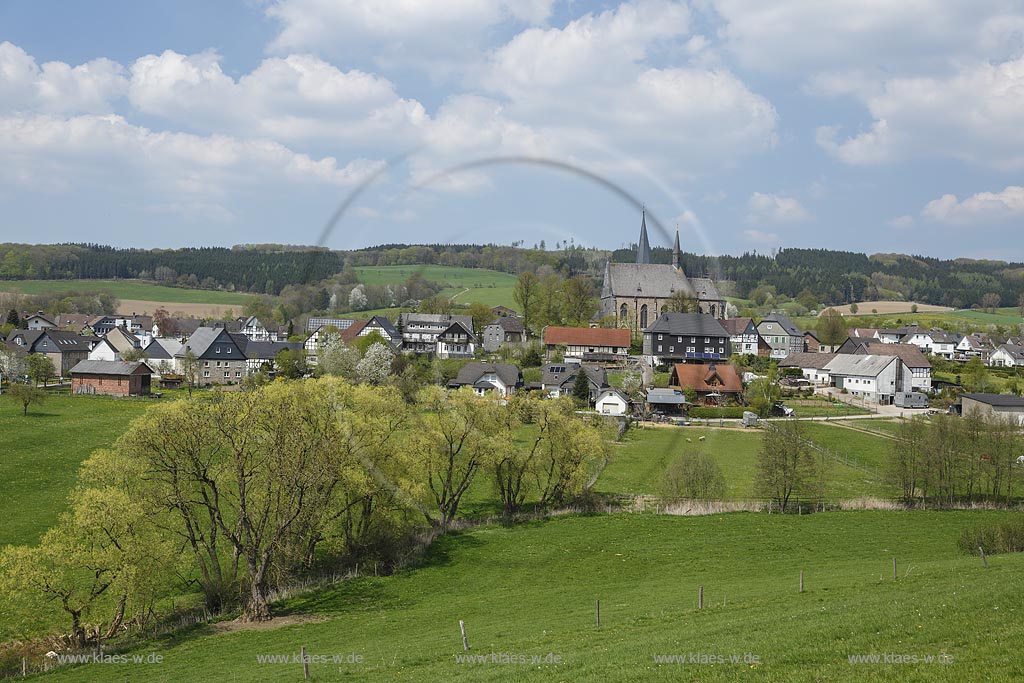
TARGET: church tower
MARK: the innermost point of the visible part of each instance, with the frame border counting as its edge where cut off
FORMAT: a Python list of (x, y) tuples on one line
[(643, 249), (676, 253)]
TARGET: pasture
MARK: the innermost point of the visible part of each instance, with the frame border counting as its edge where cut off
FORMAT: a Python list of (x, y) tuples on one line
[(134, 290), (462, 285)]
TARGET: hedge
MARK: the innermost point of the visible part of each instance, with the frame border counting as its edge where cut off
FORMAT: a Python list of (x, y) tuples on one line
[(729, 412)]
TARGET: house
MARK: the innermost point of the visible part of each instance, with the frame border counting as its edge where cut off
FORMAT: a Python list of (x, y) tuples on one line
[(744, 338), (812, 365), (112, 378), (689, 337), (76, 322), (558, 379), (635, 293), (260, 355), (812, 344), (1002, 405), (873, 378), (943, 344), (63, 349), (1007, 356), (122, 340), (611, 402), (713, 383), (254, 330), (504, 311), (975, 344), (863, 333), (135, 324), (179, 328), (420, 331), (220, 355), (504, 378), (505, 331), (781, 334), (457, 341), (384, 328), (160, 354), (104, 350), (919, 365), (313, 324), (666, 401), (588, 343), (38, 321)]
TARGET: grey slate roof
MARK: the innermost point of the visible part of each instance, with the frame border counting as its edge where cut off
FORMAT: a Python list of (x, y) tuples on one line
[(471, 372), (162, 349), (861, 366), (682, 324), (783, 322), (385, 325), (666, 396), (643, 248), (1016, 352), (818, 361), (1000, 400), (267, 350), (560, 374), (204, 337), (509, 324), (107, 367), (655, 280)]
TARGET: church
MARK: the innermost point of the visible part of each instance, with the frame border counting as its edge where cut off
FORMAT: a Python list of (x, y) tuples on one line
[(635, 292)]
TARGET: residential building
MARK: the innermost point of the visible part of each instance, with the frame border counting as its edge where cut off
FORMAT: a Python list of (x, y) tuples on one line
[(384, 328), (875, 379), (687, 337), (254, 330), (420, 331), (919, 365), (714, 383), (457, 341), (612, 402), (812, 344), (503, 378), (781, 334), (262, 355), (76, 322), (104, 350), (975, 344), (111, 378), (812, 365), (505, 331), (743, 336), (220, 354), (636, 293), (63, 349), (558, 379), (314, 323), (38, 321), (1007, 356), (592, 344), (177, 328), (161, 354), (1002, 405)]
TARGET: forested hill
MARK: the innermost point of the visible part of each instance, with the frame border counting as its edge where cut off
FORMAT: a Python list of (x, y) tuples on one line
[(825, 276)]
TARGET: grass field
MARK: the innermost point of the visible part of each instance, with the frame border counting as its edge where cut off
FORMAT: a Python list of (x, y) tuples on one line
[(638, 465), (137, 290), (867, 449), (888, 307), (951, 320), (464, 285), (531, 589), (42, 452)]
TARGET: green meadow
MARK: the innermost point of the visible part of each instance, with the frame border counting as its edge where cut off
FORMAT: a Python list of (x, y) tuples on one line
[(462, 285), (127, 289)]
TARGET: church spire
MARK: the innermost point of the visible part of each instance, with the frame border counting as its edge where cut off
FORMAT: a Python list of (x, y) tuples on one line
[(675, 252), (643, 249)]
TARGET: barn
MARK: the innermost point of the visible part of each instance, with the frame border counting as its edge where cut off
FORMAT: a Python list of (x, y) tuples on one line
[(111, 377)]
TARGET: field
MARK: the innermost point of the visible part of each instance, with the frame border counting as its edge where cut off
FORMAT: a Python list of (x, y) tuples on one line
[(530, 590), (463, 285), (133, 290), (887, 307), (42, 452), (961, 320)]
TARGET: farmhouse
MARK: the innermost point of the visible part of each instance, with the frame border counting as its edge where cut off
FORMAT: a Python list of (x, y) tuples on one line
[(686, 337), (112, 378), (588, 343), (1003, 405), (63, 349), (873, 378), (423, 332), (920, 367), (635, 293), (221, 355), (713, 383), (781, 334), (812, 365), (504, 378)]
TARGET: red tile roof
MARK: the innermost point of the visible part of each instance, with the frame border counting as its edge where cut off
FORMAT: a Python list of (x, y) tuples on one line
[(697, 376), (349, 334), (586, 336)]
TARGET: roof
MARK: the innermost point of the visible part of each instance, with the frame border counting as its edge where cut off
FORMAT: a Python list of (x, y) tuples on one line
[(74, 320), (349, 334), (860, 365), (699, 377), (818, 361), (908, 353), (695, 324), (587, 336), (1015, 351), (264, 350), (864, 332), (455, 328), (654, 280), (312, 324), (998, 400), (182, 326), (204, 337), (162, 349), (560, 374), (504, 311), (736, 326), (666, 396), (613, 392), (62, 340), (643, 247), (470, 373), (109, 367), (434, 319), (41, 317), (509, 324), (783, 322), (385, 325)]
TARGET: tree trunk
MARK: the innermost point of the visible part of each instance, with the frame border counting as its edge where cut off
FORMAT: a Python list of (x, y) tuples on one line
[(118, 617)]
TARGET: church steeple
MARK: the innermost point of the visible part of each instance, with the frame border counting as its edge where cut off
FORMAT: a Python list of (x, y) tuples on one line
[(676, 253), (643, 249)]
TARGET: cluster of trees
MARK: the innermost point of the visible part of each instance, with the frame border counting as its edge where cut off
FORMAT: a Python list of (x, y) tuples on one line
[(547, 299), (237, 492), (948, 459), (95, 302)]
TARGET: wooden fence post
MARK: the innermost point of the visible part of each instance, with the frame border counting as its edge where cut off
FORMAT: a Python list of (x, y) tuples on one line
[(894, 569), (599, 614), (465, 643), (305, 664), (983, 558), (700, 598), (801, 580)]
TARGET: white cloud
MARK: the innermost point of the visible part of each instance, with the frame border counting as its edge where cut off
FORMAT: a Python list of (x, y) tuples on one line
[(901, 222), (760, 237), (421, 33), (980, 208), (57, 86), (772, 208), (972, 116), (796, 37)]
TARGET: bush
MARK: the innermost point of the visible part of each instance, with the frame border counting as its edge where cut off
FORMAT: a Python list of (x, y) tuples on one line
[(707, 412), (1003, 537), (694, 476)]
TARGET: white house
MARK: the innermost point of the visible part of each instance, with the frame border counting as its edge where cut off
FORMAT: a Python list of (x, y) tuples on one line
[(813, 366), (503, 378), (1007, 356), (612, 402), (872, 378), (104, 350)]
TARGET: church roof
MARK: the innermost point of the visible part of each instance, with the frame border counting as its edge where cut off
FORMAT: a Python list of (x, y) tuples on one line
[(643, 249), (655, 280)]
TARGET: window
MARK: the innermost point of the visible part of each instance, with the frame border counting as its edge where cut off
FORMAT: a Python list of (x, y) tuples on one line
[(206, 364), (671, 349), (659, 348), (643, 316), (206, 373), (659, 337), (707, 340), (218, 349), (693, 340), (679, 340), (721, 349)]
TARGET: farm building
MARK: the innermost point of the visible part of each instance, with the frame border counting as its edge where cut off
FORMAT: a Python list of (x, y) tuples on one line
[(113, 378), (1004, 405)]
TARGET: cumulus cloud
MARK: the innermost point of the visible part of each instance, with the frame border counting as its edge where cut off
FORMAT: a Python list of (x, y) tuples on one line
[(972, 115), (57, 86), (980, 208), (772, 208)]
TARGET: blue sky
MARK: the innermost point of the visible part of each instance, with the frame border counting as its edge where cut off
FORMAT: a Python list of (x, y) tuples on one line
[(865, 125)]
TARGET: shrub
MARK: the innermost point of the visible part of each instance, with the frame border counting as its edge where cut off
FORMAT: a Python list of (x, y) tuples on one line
[(1002, 537), (708, 412), (696, 476)]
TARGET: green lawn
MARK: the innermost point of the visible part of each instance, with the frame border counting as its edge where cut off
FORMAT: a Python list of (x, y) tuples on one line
[(486, 286), (803, 408), (42, 452), (531, 590), (126, 289), (952, 320), (866, 449), (638, 465)]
